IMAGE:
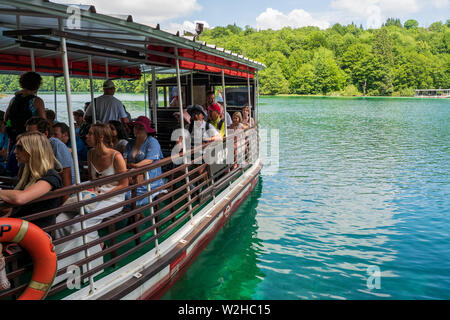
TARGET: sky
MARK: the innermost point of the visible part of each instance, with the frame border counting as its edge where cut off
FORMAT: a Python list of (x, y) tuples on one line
[(181, 15)]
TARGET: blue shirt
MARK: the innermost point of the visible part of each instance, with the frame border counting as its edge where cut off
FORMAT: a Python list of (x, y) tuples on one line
[(149, 150), (62, 154), (3, 145), (81, 148)]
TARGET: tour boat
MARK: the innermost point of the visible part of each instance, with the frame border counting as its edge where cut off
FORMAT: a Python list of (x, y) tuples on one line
[(144, 249)]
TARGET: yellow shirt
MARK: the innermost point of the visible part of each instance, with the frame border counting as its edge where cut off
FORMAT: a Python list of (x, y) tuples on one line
[(215, 124)]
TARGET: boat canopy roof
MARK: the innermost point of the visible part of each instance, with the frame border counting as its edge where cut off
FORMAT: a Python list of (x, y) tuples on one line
[(31, 32), (202, 78)]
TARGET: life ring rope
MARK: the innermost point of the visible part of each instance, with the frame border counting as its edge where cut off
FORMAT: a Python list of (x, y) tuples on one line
[(22, 232), (40, 247)]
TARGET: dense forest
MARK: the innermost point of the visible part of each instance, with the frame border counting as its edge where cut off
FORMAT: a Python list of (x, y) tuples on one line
[(393, 60)]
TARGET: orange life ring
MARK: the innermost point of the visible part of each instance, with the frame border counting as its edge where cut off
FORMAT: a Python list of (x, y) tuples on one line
[(39, 245)]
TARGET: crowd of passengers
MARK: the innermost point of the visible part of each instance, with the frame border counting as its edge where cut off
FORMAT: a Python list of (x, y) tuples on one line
[(36, 149)]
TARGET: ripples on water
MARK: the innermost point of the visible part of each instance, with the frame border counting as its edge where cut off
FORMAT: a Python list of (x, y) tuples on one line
[(361, 182)]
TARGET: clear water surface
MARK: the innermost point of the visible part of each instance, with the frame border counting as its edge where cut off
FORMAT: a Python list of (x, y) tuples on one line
[(362, 183)]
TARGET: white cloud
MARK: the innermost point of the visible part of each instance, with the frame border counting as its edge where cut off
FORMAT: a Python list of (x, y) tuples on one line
[(375, 12), (274, 19), (366, 8), (188, 26), (148, 12), (440, 4)]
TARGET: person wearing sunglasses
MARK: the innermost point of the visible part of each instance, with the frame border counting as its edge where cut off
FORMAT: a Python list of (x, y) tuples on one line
[(39, 177)]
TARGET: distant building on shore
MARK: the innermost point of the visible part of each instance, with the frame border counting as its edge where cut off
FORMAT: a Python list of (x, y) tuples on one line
[(432, 93)]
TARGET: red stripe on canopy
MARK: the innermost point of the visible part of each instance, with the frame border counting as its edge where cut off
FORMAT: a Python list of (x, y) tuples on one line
[(201, 58), (9, 62)]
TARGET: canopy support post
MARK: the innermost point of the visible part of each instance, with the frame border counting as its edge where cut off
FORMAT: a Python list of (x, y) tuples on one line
[(257, 93), (192, 88), (154, 99), (165, 97), (249, 97), (106, 69), (56, 98), (33, 63), (180, 103), (91, 85), (152, 211), (65, 62), (224, 96), (145, 95)]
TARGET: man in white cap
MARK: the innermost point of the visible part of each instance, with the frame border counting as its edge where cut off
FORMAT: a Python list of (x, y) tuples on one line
[(107, 107)]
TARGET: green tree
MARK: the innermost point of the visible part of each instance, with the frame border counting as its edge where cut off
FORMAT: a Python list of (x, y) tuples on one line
[(393, 22), (410, 24), (436, 26), (303, 81), (383, 46), (273, 81), (328, 77), (358, 62), (234, 28)]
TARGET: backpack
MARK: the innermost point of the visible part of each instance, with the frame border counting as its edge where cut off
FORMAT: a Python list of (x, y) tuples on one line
[(19, 112), (191, 131)]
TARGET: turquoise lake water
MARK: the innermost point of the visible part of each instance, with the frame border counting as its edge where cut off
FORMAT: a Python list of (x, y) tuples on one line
[(362, 185)]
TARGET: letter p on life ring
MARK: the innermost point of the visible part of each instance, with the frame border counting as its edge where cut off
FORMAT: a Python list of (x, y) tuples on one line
[(40, 247)]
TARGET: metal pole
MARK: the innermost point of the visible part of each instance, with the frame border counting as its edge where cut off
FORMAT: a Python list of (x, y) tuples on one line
[(145, 95), (152, 211), (56, 97), (180, 100), (65, 62), (192, 88), (165, 97), (18, 26), (94, 116), (254, 98), (33, 64), (224, 103), (154, 98), (257, 93), (106, 69), (249, 97)]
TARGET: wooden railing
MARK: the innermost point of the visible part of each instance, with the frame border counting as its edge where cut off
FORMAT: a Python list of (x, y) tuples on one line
[(133, 230)]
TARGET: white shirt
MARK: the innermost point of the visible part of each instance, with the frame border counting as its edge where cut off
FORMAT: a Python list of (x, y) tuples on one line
[(211, 132), (107, 108)]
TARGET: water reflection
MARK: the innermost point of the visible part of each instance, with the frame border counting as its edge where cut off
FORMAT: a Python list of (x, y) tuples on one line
[(337, 205), (227, 267)]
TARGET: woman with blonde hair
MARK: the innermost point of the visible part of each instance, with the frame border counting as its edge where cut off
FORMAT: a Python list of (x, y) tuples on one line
[(237, 129), (237, 122), (39, 176), (247, 121)]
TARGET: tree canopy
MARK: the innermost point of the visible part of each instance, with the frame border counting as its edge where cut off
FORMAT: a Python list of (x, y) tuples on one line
[(395, 59), (392, 60)]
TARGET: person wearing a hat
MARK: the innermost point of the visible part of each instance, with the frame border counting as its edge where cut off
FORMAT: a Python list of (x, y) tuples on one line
[(208, 132), (108, 107), (141, 152), (214, 119)]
